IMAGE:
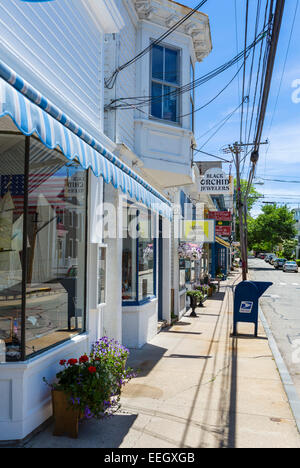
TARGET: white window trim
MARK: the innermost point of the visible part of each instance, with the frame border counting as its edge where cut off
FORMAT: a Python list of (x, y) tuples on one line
[(178, 122)]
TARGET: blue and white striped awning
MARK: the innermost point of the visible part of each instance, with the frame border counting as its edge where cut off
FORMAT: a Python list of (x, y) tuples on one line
[(33, 113)]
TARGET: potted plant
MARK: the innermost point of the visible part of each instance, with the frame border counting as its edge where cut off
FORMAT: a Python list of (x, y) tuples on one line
[(89, 387), (204, 291), (195, 297)]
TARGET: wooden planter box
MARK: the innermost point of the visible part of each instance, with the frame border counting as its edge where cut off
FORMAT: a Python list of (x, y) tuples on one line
[(65, 417)]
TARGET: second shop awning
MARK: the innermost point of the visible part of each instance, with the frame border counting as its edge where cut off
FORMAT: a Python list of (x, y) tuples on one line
[(222, 242), (34, 114)]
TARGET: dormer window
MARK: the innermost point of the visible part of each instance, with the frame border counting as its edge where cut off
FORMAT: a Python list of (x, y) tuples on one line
[(165, 81)]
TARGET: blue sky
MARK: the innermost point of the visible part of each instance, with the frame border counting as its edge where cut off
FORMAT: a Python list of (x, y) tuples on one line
[(281, 158)]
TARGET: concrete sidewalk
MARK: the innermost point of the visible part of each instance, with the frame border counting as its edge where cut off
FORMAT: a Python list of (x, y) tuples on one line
[(198, 387)]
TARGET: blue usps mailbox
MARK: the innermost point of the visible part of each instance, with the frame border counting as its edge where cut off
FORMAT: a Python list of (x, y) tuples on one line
[(246, 296)]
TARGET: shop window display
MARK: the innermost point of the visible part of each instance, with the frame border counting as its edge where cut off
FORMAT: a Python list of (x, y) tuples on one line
[(181, 274), (42, 280), (138, 262)]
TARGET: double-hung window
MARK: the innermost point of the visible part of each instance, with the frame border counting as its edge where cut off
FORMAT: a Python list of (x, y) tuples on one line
[(165, 83)]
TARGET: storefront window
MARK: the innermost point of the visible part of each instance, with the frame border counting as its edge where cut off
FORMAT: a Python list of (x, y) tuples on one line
[(188, 271), (181, 273), (12, 163), (129, 255), (101, 268), (138, 274), (46, 297), (197, 270), (192, 272)]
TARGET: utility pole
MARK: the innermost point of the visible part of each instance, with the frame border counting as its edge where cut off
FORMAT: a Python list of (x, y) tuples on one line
[(235, 150)]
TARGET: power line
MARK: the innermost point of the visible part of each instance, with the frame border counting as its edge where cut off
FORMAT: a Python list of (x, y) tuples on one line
[(237, 44), (276, 26), (270, 67), (110, 82), (262, 64), (280, 180), (244, 73), (223, 120), (212, 155), (214, 98), (141, 101), (282, 75), (223, 123)]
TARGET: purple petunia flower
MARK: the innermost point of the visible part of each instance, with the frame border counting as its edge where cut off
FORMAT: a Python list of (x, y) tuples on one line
[(87, 413)]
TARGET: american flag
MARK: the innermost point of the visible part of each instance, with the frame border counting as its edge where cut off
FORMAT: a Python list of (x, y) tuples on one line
[(50, 175), (54, 189)]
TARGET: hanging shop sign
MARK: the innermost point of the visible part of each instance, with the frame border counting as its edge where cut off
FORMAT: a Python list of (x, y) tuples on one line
[(220, 215), (199, 231), (216, 182), (223, 231)]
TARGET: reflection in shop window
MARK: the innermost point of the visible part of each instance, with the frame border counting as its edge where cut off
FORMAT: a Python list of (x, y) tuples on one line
[(181, 274), (12, 163), (146, 256), (138, 262), (56, 256), (101, 269), (54, 281)]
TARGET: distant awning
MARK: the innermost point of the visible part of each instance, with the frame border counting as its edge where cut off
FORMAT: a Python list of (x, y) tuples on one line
[(222, 242), (33, 113)]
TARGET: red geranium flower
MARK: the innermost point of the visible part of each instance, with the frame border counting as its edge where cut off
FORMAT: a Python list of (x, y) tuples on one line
[(83, 358), (71, 362), (92, 369), (62, 362)]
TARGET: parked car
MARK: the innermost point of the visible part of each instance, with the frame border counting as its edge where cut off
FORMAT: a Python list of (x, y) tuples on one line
[(272, 260), (290, 266), (262, 256), (269, 257), (279, 262)]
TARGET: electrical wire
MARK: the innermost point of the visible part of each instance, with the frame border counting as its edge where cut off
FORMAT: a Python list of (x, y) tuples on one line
[(221, 125), (237, 43), (225, 119), (259, 78), (212, 155), (110, 82), (276, 26), (141, 101), (244, 73), (252, 65), (214, 98), (282, 76)]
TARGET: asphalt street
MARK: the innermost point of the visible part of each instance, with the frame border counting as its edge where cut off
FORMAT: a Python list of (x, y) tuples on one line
[(281, 307)]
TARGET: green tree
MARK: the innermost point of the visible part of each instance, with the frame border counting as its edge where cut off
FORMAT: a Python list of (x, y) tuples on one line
[(288, 248), (274, 226), (253, 197)]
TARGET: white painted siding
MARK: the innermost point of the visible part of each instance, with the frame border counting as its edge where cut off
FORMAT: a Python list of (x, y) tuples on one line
[(125, 49), (56, 47)]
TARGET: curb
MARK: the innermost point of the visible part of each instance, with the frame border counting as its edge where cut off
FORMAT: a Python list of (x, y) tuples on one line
[(287, 381)]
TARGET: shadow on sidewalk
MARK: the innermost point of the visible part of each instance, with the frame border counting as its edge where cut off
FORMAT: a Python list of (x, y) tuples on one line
[(145, 359), (218, 296), (186, 356), (222, 345), (243, 336), (94, 433)]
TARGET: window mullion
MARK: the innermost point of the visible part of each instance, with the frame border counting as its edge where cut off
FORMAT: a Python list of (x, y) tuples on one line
[(164, 74), (24, 248)]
